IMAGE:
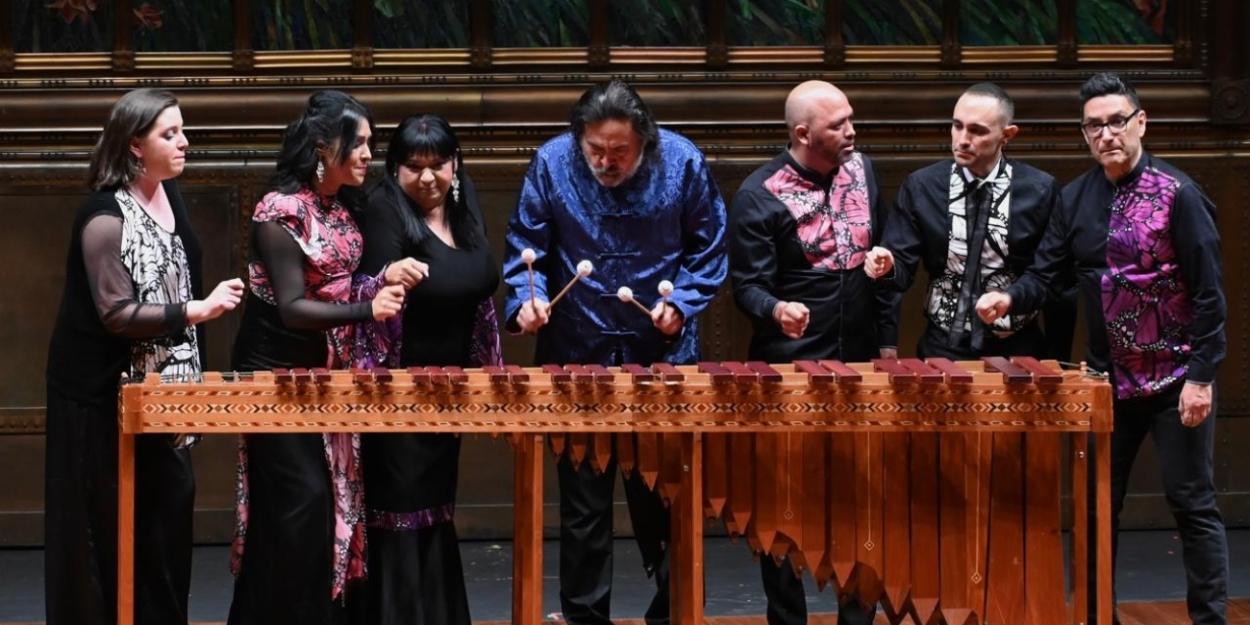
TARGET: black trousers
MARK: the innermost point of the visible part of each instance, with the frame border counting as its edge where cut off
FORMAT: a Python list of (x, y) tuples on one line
[(1186, 462), (1028, 341), (787, 600), (287, 560), (80, 520), (586, 541)]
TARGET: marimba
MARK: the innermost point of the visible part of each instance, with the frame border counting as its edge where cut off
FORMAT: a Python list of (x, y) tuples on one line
[(931, 487)]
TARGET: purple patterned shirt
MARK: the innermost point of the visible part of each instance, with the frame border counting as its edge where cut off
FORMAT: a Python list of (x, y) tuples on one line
[(1144, 298)]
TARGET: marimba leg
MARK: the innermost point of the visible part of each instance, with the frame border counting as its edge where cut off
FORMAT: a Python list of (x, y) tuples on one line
[(125, 528), (687, 558), (527, 531)]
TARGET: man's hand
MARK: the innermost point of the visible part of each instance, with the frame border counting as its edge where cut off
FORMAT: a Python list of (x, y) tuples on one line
[(889, 353), (388, 302), (407, 272), (534, 314), (792, 317), (667, 318), (1195, 404), (993, 306), (878, 262)]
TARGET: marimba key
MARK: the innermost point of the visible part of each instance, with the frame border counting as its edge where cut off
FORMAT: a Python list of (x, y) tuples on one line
[(1041, 373), (897, 373), (953, 372), (301, 376), (283, 376), (516, 374), (456, 375), (841, 372), (1012, 374), (558, 374), (600, 374), (766, 372), (360, 375), (668, 373), (419, 375), (638, 373), (495, 374), (321, 375), (716, 373), (580, 374), (741, 373), (438, 376), (381, 375), (815, 373), (924, 373)]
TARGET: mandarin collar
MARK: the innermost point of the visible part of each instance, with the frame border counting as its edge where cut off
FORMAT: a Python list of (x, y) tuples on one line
[(810, 175), (1132, 176)]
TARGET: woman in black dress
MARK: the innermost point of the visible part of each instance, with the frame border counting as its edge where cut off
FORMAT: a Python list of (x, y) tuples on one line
[(425, 208), (129, 307), (300, 499)]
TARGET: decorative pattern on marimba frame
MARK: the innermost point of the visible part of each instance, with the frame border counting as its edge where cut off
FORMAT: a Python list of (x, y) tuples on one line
[(932, 487)]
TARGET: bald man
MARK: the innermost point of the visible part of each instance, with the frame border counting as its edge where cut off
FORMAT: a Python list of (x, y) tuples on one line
[(799, 229)]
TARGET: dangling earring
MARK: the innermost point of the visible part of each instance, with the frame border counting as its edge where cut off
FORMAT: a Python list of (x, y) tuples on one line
[(143, 171), (321, 171), (455, 190)]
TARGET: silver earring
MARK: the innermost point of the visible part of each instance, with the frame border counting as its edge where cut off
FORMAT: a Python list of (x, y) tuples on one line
[(143, 171), (321, 171), (455, 190)]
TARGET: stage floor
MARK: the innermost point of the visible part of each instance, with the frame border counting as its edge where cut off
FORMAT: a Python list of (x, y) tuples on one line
[(1151, 583)]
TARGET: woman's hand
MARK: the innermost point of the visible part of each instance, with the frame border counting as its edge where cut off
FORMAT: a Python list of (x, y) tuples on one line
[(225, 297), (407, 273), (388, 302)]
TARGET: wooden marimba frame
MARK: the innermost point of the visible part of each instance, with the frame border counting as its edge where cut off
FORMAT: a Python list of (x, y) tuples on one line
[(931, 487)]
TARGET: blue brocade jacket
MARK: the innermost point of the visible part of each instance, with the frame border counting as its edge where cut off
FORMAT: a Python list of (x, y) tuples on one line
[(667, 222)]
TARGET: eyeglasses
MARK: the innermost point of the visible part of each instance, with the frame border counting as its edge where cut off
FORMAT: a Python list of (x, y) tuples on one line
[(1116, 125)]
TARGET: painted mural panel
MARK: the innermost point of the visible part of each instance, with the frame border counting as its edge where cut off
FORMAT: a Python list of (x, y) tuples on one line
[(892, 22), (301, 25), (421, 24), (775, 22), (183, 26), (657, 23), (1126, 22), (1008, 22), (540, 24), (62, 25)]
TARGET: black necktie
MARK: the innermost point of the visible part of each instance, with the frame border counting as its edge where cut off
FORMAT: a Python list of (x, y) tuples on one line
[(977, 209)]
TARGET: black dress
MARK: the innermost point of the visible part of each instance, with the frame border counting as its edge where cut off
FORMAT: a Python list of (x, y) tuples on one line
[(415, 572), (287, 571), (100, 324)]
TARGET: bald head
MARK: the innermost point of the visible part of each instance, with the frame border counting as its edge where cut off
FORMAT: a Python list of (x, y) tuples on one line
[(808, 100), (822, 136)]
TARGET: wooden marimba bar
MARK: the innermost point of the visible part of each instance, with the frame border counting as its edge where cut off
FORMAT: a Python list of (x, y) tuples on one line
[(931, 487)]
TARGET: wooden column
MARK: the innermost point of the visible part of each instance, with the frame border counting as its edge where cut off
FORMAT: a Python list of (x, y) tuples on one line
[(123, 42), (243, 55)]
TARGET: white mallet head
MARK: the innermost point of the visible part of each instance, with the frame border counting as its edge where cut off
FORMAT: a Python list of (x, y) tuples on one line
[(528, 256), (584, 268), (625, 293), (666, 288)]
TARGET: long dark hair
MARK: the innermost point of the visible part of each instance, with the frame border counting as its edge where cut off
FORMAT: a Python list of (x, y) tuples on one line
[(615, 99), (132, 116), (330, 118), (431, 135)]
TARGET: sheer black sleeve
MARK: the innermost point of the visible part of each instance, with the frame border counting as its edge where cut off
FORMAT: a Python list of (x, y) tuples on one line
[(284, 261), (113, 290)]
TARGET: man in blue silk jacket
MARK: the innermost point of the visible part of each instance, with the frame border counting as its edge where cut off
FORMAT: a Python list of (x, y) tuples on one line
[(639, 204)]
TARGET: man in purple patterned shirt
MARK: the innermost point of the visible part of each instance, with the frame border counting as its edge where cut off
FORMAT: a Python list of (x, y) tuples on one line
[(1142, 235)]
